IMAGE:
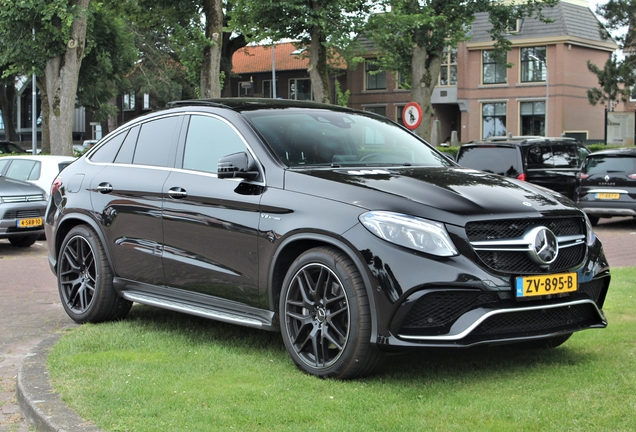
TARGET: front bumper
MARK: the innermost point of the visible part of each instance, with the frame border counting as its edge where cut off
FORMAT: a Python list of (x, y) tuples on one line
[(9, 220), (424, 301)]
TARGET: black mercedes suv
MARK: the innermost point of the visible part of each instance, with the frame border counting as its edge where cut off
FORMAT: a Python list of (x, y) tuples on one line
[(339, 228)]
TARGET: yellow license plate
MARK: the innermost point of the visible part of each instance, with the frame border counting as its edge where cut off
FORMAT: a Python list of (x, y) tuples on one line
[(29, 223), (530, 286), (604, 195)]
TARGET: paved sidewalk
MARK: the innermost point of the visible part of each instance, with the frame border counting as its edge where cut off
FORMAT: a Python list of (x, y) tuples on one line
[(31, 317), (30, 310)]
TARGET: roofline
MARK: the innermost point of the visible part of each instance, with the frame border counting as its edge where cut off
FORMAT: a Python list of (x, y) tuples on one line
[(548, 40)]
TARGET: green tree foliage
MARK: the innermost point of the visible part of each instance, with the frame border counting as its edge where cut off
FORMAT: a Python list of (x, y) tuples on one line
[(611, 81), (110, 56), (411, 36), (324, 26), (56, 50), (617, 78)]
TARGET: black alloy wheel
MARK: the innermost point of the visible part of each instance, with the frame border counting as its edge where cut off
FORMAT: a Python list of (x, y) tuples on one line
[(85, 279), (325, 316)]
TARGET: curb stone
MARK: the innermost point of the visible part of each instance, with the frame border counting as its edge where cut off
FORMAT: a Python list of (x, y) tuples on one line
[(39, 403)]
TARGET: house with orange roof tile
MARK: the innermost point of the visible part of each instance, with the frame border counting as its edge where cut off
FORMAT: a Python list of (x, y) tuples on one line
[(252, 74)]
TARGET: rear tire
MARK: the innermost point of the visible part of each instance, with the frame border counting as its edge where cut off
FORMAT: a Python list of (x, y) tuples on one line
[(25, 241), (325, 316), (85, 279)]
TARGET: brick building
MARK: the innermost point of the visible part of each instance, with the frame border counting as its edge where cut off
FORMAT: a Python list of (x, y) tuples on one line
[(479, 97)]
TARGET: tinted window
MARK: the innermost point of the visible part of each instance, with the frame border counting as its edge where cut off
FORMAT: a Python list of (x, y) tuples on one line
[(608, 164), (155, 141), (106, 152), (208, 140), (127, 149), (498, 160)]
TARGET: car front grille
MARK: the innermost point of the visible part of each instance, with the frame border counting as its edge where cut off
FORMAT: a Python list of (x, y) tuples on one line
[(530, 322), (23, 214), (515, 228), (519, 262)]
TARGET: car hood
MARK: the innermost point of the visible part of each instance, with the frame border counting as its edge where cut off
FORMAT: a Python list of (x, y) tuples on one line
[(10, 187), (449, 194)]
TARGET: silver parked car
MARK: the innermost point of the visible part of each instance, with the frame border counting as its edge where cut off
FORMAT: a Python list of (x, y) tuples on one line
[(22, 207)]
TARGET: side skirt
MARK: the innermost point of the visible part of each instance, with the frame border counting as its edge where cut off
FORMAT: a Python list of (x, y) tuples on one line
[(196, 304)]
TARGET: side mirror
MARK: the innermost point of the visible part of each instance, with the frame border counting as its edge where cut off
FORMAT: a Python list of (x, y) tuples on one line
[(236, 165)]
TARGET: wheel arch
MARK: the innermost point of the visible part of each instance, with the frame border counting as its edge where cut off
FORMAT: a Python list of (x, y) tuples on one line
[(293, 246), (65, 225)]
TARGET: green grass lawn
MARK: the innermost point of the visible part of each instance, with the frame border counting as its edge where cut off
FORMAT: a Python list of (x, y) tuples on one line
[(163, 371)]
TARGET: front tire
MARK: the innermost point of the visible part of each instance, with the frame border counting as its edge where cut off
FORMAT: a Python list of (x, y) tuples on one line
[(85, 279), (325, 316)]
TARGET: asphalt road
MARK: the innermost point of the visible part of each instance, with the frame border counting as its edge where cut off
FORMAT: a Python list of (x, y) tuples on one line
[(30, 308)]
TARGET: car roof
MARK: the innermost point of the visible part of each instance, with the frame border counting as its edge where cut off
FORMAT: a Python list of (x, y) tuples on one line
[(629, 152), (249, 104)]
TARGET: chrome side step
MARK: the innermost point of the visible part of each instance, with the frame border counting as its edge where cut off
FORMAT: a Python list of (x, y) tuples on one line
[(209, 311)]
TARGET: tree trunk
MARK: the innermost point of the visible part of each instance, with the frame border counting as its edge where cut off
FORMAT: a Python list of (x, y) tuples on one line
[(424, 72), (7, 104), (318, 71), (211, 67), (61, 73), (230, 46), (46, 136), (112, 119)]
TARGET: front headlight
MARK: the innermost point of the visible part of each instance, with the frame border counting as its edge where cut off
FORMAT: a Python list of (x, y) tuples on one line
[(409, 231), (590, 237)]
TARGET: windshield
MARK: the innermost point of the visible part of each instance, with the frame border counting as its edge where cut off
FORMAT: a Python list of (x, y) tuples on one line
[(304, 137)]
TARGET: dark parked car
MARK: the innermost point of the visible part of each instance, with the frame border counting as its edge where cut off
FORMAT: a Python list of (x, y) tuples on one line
[(607, 184), (338, 228), (547, 162), (22, 207), (7, 147)]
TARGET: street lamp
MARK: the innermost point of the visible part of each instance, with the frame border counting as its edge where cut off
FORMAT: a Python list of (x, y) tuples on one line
[(547, 89)]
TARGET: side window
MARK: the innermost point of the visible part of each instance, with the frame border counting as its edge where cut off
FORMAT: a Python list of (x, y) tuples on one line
[(208, 140), (3, 163), (127, 150), (106, 152), (583, 152), (155, 141)]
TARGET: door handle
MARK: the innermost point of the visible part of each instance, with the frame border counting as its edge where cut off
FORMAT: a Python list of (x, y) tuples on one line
[(104, 188), (177, 193)]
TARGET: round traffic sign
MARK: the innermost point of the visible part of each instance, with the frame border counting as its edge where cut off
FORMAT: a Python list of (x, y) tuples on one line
[(412, 115)]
